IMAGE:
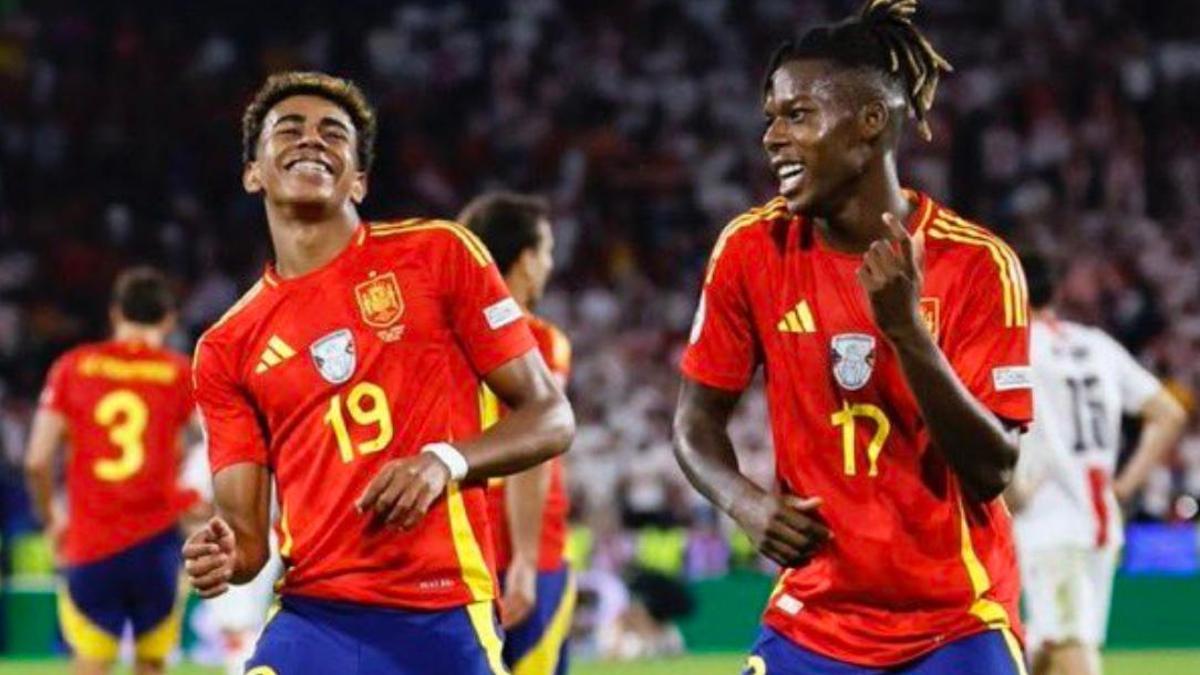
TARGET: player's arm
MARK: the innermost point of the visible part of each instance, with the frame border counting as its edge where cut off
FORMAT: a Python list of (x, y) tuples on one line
[(976, 444), (1163, 420), (524, 503), (538, 426), (45, 439), (783, 527)]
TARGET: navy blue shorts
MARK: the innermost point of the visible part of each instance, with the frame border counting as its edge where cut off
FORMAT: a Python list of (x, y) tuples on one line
[(140, 586), (307, 636), (538, 645), (993, 652)]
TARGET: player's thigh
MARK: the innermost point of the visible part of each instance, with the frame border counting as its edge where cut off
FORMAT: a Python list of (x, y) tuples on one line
[(302, 642), (463, 640), (992, 652), (156, 595), (1059, 598), (91, 609), (773, 654), (538, 645)]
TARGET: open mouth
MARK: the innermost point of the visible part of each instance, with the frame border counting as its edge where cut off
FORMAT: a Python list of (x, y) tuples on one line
[(309, 165), (790, 174)]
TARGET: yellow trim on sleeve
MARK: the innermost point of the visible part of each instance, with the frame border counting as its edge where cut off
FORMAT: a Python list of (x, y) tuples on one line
[(1014, 306), (475, 572), (484, 624), (87, 640), (771, 209), (543, 658), (1020, 292), (156, 644), (474, 246)]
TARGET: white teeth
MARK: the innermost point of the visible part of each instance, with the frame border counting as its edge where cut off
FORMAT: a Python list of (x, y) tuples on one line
[(310, 165), (790, 170)]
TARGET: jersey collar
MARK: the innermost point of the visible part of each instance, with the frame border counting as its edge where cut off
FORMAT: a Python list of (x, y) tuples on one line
[(272, 279)]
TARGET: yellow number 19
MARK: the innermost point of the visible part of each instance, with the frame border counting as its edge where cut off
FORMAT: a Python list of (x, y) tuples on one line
[(846, 419), (378, 414)]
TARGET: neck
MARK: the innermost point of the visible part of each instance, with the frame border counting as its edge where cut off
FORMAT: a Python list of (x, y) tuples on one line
[(152, 336), (520, 291), (858, 221), (305, 238)]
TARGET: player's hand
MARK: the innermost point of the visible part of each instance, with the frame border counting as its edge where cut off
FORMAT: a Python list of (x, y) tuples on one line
[(892, 273), (404, 489), (520, 592), (785, 528), (209, 558)]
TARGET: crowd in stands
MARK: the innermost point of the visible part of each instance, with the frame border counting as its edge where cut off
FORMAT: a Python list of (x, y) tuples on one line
[(1069, 126)]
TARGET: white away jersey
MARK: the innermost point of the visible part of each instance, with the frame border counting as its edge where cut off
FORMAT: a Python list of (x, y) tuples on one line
[(1083, 380)]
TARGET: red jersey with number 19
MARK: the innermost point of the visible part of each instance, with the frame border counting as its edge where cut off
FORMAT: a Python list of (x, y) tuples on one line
[(125, 406), (913, 563), (327, 376)]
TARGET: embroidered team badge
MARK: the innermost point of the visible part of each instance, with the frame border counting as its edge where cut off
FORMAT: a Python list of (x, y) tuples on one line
[(334, 356), (379, 300), (853, 358), (930, 310)]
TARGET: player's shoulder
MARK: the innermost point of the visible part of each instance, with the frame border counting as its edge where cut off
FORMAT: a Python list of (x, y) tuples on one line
[(238, 320), (748, 227), (431, 235), (964, 241)]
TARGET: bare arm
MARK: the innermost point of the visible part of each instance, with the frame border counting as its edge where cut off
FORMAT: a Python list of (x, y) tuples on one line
[(524, 502), (779, 525), (1163, 420), (45, 439), (233, 546), (539, 425)]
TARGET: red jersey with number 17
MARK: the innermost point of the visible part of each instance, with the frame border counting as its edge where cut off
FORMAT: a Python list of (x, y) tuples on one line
[(914, 563), (125, 406), (556, 350), (325, 377)]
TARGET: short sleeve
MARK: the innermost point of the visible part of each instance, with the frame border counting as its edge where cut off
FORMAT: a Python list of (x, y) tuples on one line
[(54, 392), (986, 339), (488, 323), (231, 427), (1137, 385), (721, 350), (185, 393)]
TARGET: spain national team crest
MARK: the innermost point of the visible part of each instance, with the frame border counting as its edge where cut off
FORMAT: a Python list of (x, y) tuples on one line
[(334, 356), (931, 315), (379, 300), (852, 356)]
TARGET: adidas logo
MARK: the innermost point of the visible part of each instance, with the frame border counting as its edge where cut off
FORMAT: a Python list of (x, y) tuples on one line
[(798, 319), (277, 352)]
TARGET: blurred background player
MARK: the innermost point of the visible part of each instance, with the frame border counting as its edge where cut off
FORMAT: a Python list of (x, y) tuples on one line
[(528, 511), (350, 372), (1067, 494), (122, 406), (896, 362)]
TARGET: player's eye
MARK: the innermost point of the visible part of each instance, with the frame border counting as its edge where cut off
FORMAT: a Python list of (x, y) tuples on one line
[(288, 132), (798, 114), (336, 135)]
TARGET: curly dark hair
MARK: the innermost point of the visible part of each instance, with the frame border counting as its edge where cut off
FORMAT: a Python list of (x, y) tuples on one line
[(344, 93)]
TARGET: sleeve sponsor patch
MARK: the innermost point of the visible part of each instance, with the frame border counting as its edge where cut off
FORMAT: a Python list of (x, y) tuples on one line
[(1007, 378), (502, 313)]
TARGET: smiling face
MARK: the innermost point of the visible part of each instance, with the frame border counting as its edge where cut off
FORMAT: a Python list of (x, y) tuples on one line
[(306, 155), (819, 139)]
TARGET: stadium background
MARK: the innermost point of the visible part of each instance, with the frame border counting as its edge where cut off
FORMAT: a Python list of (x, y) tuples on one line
[(1069, 126)]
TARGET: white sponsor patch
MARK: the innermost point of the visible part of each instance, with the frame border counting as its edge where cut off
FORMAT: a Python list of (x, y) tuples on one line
[(1012, 377), (788, 604), (502, 313), (698, 322)]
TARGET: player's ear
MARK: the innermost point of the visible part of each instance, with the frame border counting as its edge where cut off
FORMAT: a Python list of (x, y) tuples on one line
[(358, 191), (251, 180), (873, 118)]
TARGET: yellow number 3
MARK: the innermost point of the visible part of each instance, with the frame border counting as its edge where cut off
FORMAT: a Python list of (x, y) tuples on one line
[(124, 414), (845, 418), (378, 414)]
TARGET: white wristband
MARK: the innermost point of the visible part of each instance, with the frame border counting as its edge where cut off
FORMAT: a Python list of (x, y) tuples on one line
[(451, 457)]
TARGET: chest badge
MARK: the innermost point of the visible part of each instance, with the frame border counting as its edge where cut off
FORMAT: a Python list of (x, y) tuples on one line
[(852, 356), (334, 356), (379, 300)]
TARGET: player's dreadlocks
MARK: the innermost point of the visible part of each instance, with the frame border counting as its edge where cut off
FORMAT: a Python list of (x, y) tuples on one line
[(881, 37)]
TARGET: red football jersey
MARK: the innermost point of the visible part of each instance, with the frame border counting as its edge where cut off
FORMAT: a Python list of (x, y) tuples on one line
[(556, 350), (327, 376), (125, 406), (913, 563)]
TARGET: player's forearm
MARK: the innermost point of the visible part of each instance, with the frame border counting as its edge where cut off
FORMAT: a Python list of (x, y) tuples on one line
[(971, 439), (532, 432), (706, 455), (1163, 423), (39, 479), (525, 501), (242, 497)]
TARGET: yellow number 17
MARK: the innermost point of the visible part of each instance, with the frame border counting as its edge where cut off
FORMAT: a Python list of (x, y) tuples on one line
[(846, 419)]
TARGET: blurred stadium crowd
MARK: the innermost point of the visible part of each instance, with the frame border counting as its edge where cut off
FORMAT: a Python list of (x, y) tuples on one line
[(1070, 126)]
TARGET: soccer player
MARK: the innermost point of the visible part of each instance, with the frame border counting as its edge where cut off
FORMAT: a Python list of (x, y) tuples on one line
[(350, 372), (1067, 502), (893, 337), (122, 406), (528, 511)]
